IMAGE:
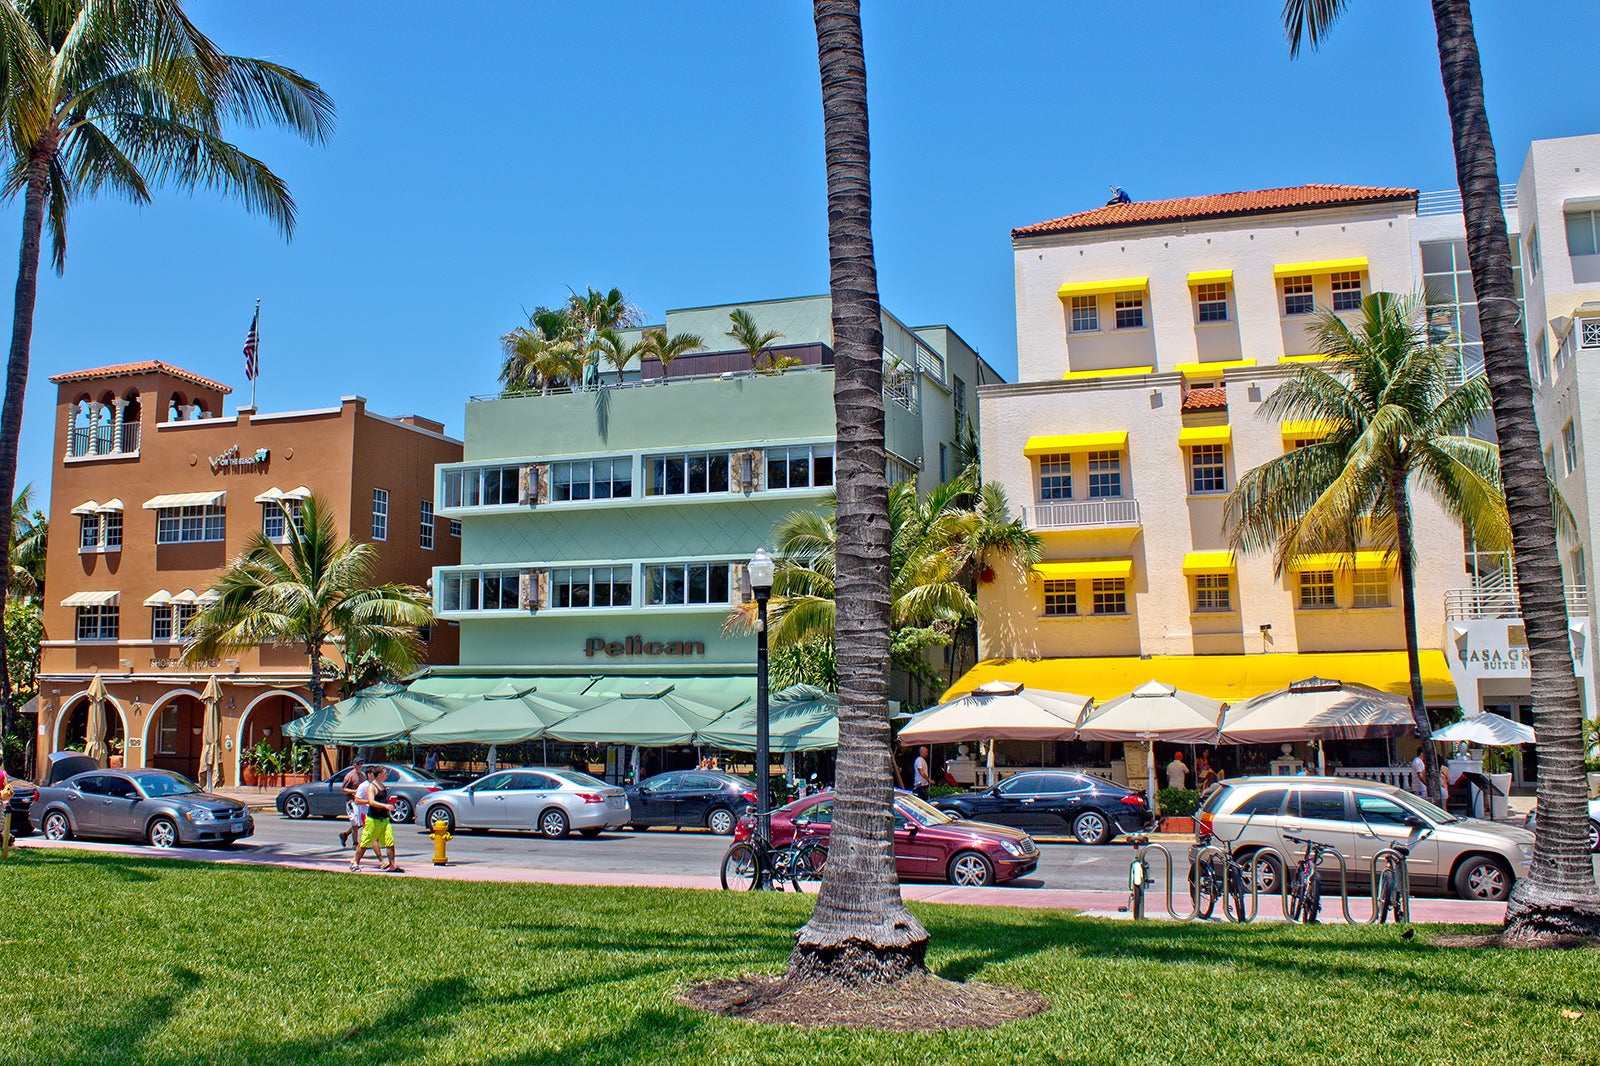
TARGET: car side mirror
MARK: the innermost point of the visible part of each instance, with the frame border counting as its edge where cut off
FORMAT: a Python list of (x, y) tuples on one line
[(1415, 821), (910, 828), (802, 822)]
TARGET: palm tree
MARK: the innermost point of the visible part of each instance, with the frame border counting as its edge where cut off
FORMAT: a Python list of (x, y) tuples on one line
[(315, 590), (592, 314), (664, 349), (124, 96), (541, 354), (992, 533), (1384, 391), (30, 532), (616, 350), (1559, 896), (751, 337)]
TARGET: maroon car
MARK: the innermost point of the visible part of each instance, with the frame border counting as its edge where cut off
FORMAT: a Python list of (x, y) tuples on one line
[(929, 845)]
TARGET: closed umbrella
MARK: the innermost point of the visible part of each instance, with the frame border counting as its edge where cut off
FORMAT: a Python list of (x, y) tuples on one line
[(651, 715), (998, 710), (800, 718), (374, 715), (1488, 730), (94, 735), (1152, 712), (210, 748)]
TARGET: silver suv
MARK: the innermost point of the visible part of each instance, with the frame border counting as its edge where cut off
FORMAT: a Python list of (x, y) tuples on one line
[(1479, 860)]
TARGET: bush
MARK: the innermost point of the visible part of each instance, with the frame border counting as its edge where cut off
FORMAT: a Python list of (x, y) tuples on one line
[(941, 791), (1178, 802)]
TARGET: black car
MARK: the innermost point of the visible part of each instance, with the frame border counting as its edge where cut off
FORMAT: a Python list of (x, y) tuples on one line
[(1053, 801), (707, 798), (61, 765)]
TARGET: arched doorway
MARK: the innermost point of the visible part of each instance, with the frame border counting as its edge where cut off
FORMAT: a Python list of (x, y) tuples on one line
[(173, 735), (73, 726), (264, 720)]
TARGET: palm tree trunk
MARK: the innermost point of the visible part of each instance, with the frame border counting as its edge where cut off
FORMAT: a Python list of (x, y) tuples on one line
[(317, 697), (1408, 605), (860, 932), (1559, 896)]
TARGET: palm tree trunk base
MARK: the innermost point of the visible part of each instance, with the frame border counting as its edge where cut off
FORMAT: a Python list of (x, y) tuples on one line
[(1536, 916), (856, 960)]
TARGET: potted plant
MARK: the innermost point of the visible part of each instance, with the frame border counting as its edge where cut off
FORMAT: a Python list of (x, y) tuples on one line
[(114, 748), (296, 765), (1591, 755), (1177, 809), (268, 764), (1497, 765)]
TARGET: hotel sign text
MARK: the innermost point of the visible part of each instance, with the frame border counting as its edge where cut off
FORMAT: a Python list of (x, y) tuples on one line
[(637, 645)]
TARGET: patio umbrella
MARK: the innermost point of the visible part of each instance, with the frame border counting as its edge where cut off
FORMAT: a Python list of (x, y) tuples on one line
[(1488, 730), (503, 719), (651, 715), (998, 710), (374, 715), (1317, 710), (210, 748), (94, 735), (1152, 712), (800, 718)]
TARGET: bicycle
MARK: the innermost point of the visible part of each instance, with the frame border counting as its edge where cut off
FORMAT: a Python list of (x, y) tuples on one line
[(750, 864), (1304, 892), (1393, 889), (1212, 879)]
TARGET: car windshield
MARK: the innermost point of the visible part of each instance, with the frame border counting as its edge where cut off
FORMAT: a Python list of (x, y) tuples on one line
[(422, 774), (168, 784), (1430, 812), (576, 778), (920, 811)]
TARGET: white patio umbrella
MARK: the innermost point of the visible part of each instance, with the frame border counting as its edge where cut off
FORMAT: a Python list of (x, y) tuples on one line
[(1153, 712), (1318, 709), (998, 710), (1488, 730)]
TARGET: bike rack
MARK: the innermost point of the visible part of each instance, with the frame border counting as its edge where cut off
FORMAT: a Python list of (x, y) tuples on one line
[(1391, 858), (1140, 878)]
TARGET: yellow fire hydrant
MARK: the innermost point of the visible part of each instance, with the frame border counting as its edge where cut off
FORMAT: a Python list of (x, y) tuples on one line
[(441, 833)]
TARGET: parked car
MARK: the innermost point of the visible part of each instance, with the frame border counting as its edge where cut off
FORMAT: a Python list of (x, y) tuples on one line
[(61, 766), (1054, 801), (157, 806), (707, 798), (408, 787), (549, 800), (929, 844), (1594, 823), (1477, 859)]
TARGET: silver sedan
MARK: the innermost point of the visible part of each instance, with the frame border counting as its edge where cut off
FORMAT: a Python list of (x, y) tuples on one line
[(547, 800), (157, 806)]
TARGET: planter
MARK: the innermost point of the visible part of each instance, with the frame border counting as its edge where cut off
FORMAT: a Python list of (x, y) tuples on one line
[(114, 762), (248, 775), (1594, 786), (1177, 825), (288, 780)]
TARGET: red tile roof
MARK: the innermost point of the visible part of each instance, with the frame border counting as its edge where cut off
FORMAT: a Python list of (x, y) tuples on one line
[(1206, 399), (148, 366), (1219, 205)]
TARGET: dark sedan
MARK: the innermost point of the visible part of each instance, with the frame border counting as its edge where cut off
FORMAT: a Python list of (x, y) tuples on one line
[(1052, 801), (696, 798), (326, 799), (61, 766), (157, 806)]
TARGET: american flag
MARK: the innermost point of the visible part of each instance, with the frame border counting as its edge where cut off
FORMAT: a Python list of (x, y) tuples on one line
[(250, 342)]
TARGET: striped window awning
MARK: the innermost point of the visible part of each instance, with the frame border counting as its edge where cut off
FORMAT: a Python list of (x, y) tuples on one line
[(87, 507), (104, 598), (161, 598), (184, 499), (186, 596)]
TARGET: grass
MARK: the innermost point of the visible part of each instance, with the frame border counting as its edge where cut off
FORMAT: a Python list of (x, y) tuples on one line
[(112, 959)]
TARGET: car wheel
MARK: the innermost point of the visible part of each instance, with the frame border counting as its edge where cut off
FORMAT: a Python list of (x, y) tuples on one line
[(163, 833), (720, 821), (440, 814), (1091, 827), (57, 826), (590, 833), (971, 870), (1267, 873), (1594, 835), (1483, 878), (553, 823), (295, 806), (401, 812)]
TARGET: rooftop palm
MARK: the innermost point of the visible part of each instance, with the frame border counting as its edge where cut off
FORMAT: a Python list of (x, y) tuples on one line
[(616, 351), (751, 337), (543, 354), (664, 349)]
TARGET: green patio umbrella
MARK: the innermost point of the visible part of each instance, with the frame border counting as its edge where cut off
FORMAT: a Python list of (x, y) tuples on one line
[(374, 715), (461, 686), (649, 715), (504, 719), (801, 718)]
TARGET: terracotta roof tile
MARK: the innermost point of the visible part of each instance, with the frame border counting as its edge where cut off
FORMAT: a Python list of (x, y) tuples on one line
[(1206, 399), (1219, 205), (148, 366)]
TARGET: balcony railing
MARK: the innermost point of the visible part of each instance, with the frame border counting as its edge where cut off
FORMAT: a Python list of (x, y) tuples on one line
[(102, 440), (1083, 514), (1465, 605), (1448, 201)]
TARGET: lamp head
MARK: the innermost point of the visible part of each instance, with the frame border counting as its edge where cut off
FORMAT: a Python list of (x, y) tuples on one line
[(761, 569)]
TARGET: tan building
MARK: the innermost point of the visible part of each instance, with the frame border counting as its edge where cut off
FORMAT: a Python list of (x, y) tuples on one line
[(154, 493)]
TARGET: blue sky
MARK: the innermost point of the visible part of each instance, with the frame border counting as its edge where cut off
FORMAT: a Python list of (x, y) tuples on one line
[(491, 155)]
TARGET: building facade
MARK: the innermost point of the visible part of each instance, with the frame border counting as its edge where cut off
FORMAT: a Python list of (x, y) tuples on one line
[(152, 495)]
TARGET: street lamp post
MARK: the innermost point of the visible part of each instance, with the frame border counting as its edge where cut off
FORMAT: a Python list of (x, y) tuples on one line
[(760, 570)]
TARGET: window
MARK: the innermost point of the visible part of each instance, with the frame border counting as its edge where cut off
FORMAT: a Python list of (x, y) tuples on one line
[(1130, 310), (801, 466), (1060, 599), (1381, 810), (1213, 302), (1590, 329), (425, 634), (167, 730), (1541, 364), (1550, 462), (1346, 290), (88, 532), (380, 514), (274, 521), (1561, 354), (1304, 442), (1564, 351), (1208, 469), (427, 524), (1533, 252), (600, 586), (1211, 593), (484, 486), (591, 479), (944, 463), (1110, 596), (183, 525), (1105, 475), (1580, 573), (183, 615), (98, 622), (687, 584), (958, 395), (1297, 296), (1569, 446), (455, 527), (1583, 233), (1316, 589), (480, 590), (696, 473), (1372, 588), (1085, 314), (1055, 477), (161, 622), (1325, 806), (1452, 306), (112, 528), (1268, 802)]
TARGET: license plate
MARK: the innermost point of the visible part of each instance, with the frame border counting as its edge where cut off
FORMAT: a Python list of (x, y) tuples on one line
[(615, 802)]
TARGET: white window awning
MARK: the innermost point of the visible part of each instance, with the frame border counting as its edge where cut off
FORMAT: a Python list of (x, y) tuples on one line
[(158, 599), (272, 495), (87, 507), (184, 499), (92, 599), (186, 596), (208, 596), (112, 504), (298, 493)]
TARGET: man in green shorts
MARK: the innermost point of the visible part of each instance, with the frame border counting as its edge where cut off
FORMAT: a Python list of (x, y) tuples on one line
[(377, 833)]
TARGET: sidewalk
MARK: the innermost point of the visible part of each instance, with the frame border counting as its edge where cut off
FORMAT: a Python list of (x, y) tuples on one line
[(1094, 904), (257, 799)]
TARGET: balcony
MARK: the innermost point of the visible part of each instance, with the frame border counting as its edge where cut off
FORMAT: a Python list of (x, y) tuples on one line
[(1083, 514), (103, 442), (1471, 604)]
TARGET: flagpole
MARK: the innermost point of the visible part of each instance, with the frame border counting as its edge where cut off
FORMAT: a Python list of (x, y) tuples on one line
[(257, 374)]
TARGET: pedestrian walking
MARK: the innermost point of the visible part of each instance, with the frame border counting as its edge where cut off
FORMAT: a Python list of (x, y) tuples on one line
[(377, 833), (921, 778), (431, 763), (354, 778)]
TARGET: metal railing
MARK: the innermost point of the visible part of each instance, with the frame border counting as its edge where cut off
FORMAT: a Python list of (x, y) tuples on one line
[(1083, 514), (1470, 604), (1448, 201)]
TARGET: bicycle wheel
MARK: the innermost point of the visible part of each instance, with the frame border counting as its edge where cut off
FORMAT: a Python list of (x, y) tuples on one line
[(741, 867), (1386, 896), (1203, 891), (806, 867), (1233, 907), (1294, 908), (1312, 906)]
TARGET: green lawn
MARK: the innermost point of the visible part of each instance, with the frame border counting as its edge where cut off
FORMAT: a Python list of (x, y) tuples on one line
[(155, 961)]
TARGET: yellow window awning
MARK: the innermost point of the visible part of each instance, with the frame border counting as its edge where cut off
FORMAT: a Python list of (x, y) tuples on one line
[(1319, 266), (1212, 562), (1312, 357), (1211, 370), (1362, 559), (1097, 288), (1110, 372), (91, 599), (184, 499), (1210, 277), (1189, 436), (1220, 677), (1084, 569), (1062, 443), (1306, 430)]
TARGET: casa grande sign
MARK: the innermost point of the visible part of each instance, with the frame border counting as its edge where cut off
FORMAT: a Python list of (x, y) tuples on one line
[(637, 645)]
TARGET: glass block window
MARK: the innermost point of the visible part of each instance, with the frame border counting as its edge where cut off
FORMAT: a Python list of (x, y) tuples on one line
[(1130, 310), (1372, 588), (1208, 468), (1211, 592), (1569, 445), (687, 584), (1105, 475), (800, 466), (1316, 589), (1110, 596), (183, 525), (1060, 599), (427, 525), (694, 473), (1298, 298), (1347, 290), (97, 623), (1085, 314), (1212, 301), (1055, 477), (591, 479), (484, 486), (380, 514), (597, 586), (480, 590)]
